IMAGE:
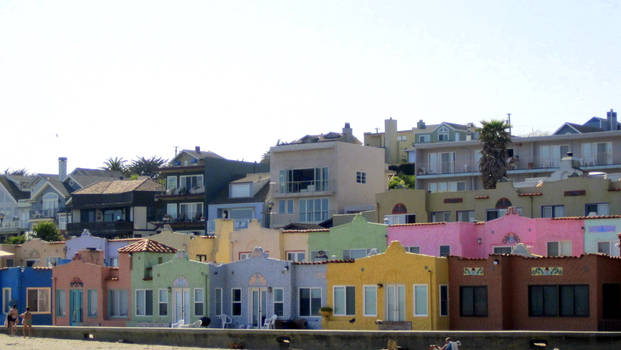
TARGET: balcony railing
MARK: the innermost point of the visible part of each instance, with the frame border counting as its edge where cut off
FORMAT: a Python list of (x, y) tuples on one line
[(304, 186), (43, 213), (100, 227)]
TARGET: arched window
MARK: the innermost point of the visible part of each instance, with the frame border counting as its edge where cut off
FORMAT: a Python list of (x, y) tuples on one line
[(399, 208), (50, 201), (503, 203)]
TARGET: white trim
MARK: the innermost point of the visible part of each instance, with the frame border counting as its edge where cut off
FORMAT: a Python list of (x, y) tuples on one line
[(440, 299), (236, 302), (345, 299), (159, 301), (195, 302), (8, 194), (414, 300), (7, 301), (310, 300), (136, 302), (221, 301), (364, 300), (274, 302), (47, 183)]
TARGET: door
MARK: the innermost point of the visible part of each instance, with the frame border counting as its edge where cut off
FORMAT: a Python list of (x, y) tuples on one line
[(181, 305), (258, 306), (76, 306), (395, 302), (611, 300)]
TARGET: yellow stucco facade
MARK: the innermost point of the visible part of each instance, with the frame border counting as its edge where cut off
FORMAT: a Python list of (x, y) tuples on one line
[(396, 273), (36, 251)]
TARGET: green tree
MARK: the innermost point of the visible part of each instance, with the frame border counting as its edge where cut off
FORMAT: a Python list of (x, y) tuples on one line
[(142, 166), (265, 158), (16, 239), (115, 164), (495, 137), (18, 172), (402, 181), (47, 231)]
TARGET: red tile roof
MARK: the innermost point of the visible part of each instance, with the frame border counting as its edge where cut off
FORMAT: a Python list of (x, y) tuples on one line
[(588, 217), (481, 197), (307, 230), (124, 239), (147, 245), (334, 261), (419, 224), (530, 194)]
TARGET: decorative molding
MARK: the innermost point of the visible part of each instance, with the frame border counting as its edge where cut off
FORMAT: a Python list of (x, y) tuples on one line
[(453, 200), (511, 238), (575, 193), (546, 271), (474, 271)]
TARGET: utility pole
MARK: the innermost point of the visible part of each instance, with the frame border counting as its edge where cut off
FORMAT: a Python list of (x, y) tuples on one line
[(509, 122)]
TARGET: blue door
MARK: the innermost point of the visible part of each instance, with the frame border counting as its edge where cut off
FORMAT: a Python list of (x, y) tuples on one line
[(75, 306)]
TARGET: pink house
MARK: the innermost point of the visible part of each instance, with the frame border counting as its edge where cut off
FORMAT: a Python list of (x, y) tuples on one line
[(86, 292), (544, 236)]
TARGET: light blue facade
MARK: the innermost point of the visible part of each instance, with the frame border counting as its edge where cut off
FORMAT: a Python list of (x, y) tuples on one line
[(264, 287), (15, 283), (216, 211), (86, 241), (600, 235)]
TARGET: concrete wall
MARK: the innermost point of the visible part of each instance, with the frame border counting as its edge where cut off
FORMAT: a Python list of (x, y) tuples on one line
[(329, 340)]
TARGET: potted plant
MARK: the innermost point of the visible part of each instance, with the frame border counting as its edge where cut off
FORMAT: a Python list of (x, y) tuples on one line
[(325, 311)]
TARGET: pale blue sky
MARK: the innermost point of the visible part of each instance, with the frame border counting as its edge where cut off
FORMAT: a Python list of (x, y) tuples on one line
[(128, 78)]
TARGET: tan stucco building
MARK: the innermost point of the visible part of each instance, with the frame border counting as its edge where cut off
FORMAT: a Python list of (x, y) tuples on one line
[(34, 252)]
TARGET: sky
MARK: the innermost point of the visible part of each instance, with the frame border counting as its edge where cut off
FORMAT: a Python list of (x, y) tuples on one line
[(90, 80)]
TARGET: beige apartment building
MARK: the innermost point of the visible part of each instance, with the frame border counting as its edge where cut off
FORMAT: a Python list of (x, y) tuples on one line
[(318, 176)]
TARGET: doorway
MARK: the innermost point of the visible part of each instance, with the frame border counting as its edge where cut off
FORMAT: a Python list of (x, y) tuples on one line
[(258, 306), (76, 306)]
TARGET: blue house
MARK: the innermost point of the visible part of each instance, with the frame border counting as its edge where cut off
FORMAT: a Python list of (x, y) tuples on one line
[(28, 287)]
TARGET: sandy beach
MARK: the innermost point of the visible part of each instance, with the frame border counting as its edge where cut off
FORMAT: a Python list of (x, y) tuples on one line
[(16, 342)]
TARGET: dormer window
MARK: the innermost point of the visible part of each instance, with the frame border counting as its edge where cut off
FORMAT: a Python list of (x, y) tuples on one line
[(443, 134), (241, 190)]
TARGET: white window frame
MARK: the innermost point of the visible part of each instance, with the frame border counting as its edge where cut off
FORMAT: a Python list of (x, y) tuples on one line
[(344, 287), (170, 182), (361, 177), (89, 305), (160, 301), (410, 248), (310, 290), (440, 299), (199, 302), (560, 248), (47, 290), (282, 302), (296, 255), (241, 190), (357, 250), (501, 246), (414, 300), (233, 301), (610, 245), (364, 300), (6, 307), (58, 297), (144, 297), (112, 306), (183, 177)]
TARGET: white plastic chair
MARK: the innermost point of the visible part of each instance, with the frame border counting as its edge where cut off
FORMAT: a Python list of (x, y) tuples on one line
[(225, 320), (196, 324), (178, 324), (270, 323)]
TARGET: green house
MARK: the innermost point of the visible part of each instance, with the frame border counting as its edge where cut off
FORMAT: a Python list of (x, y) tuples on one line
[(352, 240)]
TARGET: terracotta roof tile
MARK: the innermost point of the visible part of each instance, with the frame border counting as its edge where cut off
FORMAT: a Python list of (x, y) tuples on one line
[(530, 194), (419, 224), (308, 230), (125, 239), (147, 245), (334, 261), (588, 217)]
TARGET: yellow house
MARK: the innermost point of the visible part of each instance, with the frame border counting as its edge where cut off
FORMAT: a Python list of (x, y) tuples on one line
[(201, 248), (34, 252), (284, 245), (392, 290)]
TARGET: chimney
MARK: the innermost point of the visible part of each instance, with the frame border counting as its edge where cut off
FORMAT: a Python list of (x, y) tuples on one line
[(421, 125), (62, 168), (348, 133), (391, 143), (611, 117), (198, 149)]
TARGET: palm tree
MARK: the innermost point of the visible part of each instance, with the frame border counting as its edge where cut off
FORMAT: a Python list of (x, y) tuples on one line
[(493, 164), (146, 166), (115, 164)]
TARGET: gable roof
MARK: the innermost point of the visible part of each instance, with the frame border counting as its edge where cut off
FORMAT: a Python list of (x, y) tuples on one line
[(13, 190), (147, 245), (86, 177), (54, 182), (122, 186), (198, 154), (223, 197), (580, 129), (329, 137)]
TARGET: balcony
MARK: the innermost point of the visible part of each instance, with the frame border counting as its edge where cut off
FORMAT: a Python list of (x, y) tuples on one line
[(238, 224), (304, 187), (36, 213), (183, 223), (183, 193), (101, 228)]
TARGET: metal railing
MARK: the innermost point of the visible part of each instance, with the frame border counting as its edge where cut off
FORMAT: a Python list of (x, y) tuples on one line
[(304, 186), (238, 224)]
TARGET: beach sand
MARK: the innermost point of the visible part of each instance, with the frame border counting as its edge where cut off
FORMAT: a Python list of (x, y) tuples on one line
[(18, 342)]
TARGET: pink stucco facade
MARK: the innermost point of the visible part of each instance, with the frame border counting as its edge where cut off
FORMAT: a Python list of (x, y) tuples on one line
[(478, 240), (87, 272)]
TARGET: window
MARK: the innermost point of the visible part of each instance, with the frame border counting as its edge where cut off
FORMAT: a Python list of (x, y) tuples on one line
[(242, 190), (114, 261), (199, 301), (285, 206), (562, 248), (190, 211), (171, 183), (218, 301), (596, 209), (443, 300), (599, 153), (344, 301), (31, 263), (441, 216), (603, 248), (441, 163), (493, 214), (443, 134), (420, 300), (61, 303), (118, 303), (394, 302), (236, 302), (144, 302), (399, 219), (244, 255), (473, 301), (370, 300), (6, 299), (554, 300), (189, 182), (402, 138), (50, 204), (424, 138), (361, 177), (465, 215), (38, 300), (52, 260), (314, 210), (296, 255), (163, 302), (552, 211), (92, 303), (415, 250), (310, 301), (113, 215), (171, 210), (445, 250), (319, 255), (10, 262), (279, 302), (355, 253), (303, 180), (502, 250)]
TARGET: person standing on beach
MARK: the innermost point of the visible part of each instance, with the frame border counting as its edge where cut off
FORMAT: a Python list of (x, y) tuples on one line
[(12, 319), (27, 322)]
